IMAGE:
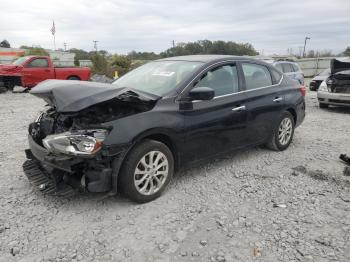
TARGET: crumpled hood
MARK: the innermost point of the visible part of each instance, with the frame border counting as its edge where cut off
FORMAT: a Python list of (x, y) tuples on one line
[(73, 96), (338, 65)]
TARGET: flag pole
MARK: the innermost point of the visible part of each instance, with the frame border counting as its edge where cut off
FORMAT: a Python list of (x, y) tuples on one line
[(53, 31), (54, 41)]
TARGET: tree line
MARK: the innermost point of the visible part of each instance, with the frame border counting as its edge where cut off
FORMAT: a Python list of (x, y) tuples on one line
[(106, 63)]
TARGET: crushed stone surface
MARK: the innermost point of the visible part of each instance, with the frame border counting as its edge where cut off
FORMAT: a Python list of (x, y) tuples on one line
[(253, 205)]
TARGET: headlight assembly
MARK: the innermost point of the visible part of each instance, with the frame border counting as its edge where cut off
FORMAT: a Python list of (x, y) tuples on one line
[(84, 143), (323, 87)]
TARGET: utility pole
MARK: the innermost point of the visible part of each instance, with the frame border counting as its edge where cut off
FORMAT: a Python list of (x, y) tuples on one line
[(306, 38), (300, 51), (173, 43), (65, 46), (95, 45)]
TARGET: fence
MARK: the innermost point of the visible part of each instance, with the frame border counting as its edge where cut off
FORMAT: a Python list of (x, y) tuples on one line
[(313, 66)]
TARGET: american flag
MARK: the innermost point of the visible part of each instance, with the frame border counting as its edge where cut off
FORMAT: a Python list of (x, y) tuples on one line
[(53, 28)]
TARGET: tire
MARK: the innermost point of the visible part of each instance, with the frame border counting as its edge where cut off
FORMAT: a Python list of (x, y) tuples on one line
[(73, 78), (322, 105), (128, 178), (276, 142)]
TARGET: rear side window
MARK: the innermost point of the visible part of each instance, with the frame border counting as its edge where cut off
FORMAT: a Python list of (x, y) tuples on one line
[(256, 76), (279, 67), (295, 67), (39, 62), (287, 68), (223, 80)]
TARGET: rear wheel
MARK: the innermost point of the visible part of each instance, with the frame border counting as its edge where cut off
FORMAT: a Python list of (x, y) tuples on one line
[(73, 78), (147, 171), (322, 105), (283, 133)]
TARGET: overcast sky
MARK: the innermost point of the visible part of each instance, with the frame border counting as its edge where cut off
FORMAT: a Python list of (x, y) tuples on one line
[(272, 26)]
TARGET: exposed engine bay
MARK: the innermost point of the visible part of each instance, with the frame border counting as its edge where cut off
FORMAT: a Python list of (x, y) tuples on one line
[(339, 82), (52, 122)]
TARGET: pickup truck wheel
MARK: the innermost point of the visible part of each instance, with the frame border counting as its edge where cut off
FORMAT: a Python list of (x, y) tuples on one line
[(147, 171), (283, 133), (73, 78), (322, 105)]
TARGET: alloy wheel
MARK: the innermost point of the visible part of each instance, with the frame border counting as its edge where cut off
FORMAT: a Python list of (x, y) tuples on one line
[(151, 173), (285, 131)]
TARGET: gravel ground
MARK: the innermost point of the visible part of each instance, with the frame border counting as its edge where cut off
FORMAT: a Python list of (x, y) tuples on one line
[(255, 205)]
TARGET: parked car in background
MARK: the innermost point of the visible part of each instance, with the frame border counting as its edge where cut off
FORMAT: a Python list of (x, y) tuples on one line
[(291, 69), (27, 71), (318, 79), (335, 90), (130, 136)]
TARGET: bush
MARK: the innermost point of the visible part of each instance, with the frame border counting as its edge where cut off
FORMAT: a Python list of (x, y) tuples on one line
[(121, 63)]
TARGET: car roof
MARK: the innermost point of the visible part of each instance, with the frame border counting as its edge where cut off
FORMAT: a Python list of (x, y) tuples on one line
[(285, 61), (207, 58)]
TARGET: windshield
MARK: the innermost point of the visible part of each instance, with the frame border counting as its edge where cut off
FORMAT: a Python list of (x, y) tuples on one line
[(326, 72), (159, 77), (20, 60)]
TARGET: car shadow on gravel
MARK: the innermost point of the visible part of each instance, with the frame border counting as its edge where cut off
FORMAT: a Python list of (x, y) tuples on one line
[(337, 109), (219, 162)]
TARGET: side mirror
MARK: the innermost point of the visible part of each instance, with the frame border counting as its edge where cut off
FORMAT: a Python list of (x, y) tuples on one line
[(201, 93)]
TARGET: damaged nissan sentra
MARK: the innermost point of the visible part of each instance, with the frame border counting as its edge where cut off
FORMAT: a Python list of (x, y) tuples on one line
[(130, 136)]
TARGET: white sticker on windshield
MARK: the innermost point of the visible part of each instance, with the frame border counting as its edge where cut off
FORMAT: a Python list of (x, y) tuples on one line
[(163, 73)]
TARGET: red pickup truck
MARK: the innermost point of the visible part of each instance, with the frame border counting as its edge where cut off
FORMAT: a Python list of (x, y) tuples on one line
[(27, 71)]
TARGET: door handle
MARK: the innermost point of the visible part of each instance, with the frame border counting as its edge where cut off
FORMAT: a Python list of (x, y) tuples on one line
[(278, 99), (238, 108)]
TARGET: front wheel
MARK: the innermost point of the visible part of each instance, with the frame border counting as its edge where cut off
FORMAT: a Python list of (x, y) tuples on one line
[(147, 171), (283, 133)]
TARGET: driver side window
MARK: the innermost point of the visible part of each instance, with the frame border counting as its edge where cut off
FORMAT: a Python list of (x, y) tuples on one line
[(39, 62), (223, 80)]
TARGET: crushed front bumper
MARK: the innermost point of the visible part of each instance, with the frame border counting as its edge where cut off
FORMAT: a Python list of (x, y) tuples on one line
[(45, 182), (330, 98), (54, 172)]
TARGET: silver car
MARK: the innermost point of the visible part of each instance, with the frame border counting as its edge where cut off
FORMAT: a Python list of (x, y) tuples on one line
[(318, 79), (335, 90), (290, 69)]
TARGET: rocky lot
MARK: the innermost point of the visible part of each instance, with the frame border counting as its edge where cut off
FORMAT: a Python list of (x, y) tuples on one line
[(255, 205)]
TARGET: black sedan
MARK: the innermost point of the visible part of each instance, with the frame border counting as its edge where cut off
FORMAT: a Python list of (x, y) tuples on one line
[(132, 135)]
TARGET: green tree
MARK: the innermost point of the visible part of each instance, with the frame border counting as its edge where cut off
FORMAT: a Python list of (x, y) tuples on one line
[(121, 63), (80, 54), (347, 51), (5, 43), (34, 50), (209, 47), (100, 64)]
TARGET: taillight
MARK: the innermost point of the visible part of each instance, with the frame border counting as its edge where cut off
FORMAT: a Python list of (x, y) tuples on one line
[(302, 89)]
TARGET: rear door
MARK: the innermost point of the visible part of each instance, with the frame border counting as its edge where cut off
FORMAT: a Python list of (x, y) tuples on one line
[(265, 100), (36, 71), (217, 125)]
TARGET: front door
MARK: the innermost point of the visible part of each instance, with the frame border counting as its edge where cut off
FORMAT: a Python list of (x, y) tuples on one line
[(36, 71), (217, 125)]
